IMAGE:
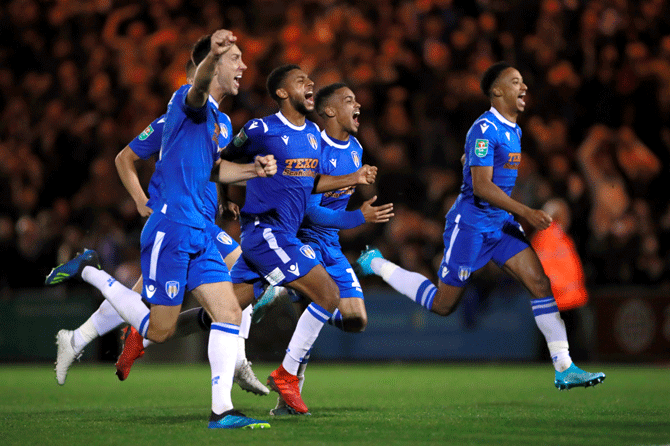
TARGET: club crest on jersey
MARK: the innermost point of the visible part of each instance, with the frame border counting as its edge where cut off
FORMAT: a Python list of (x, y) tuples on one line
[(224, 131), (312, 141), (240, 138), (463, 273), (224, 238), (357, 160), (145, 134), (172, 288), (308, 252), (481, 147)]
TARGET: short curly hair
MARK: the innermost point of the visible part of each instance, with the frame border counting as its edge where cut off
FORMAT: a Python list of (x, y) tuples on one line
[(491, 75)]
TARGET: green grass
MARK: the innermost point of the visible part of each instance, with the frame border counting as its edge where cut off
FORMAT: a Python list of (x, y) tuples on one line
[(385, 404)]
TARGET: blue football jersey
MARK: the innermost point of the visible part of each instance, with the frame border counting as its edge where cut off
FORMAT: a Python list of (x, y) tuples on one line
[(279, 201), (189, 148), (491, 141), (337, 158), (148, 144)]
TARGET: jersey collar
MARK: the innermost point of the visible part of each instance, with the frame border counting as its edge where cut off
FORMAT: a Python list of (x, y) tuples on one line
[(283, 119), (213, 101), (330, 141), (502, 118)]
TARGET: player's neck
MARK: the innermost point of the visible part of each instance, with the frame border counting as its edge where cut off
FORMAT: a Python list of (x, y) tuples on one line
[(293, 116), (336, 132), (510, 115), (218, 94)]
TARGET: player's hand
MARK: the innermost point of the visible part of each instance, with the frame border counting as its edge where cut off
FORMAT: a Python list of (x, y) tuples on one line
[(222, 40), (265, 166), (539, 219), (366, 174), (377, 214), (230, 210), (143, 209)]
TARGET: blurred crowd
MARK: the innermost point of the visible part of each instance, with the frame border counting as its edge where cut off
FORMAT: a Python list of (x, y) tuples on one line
[(80, 78)]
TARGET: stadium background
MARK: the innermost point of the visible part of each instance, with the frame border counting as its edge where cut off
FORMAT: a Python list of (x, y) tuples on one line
[(80, 79)]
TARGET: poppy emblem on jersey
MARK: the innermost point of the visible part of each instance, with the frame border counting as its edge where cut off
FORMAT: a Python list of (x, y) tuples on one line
[(308, 252), (357, 160), (172, 288), (224, 238), (481, 147), (463, 273), (145, 134), (240, 139), (312, 141)]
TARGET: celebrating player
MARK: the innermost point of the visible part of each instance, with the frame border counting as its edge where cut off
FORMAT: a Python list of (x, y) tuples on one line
[(177, 253), (71, 343), (341, 154), (479, 227), (273, 211)]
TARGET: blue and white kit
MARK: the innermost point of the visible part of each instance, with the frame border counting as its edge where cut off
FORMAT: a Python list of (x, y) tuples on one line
[(178, 253), (274, 207), (476, 232)]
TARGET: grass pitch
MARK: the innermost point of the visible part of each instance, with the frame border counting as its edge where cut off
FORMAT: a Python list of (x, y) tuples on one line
[(381, 404)]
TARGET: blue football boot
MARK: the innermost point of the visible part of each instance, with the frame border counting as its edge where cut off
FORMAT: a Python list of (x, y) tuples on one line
[(234, 419), (73, 268), (573, 376), (363, 267)]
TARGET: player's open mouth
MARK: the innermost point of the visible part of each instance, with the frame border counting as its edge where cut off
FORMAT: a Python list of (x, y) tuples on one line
[(236, 80), (521, 99), (357, 113), (309, 97)]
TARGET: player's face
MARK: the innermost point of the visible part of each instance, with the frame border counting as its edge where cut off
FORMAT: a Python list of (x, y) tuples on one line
[(346, 109), (513, 89), (300, 90), (229, 70)]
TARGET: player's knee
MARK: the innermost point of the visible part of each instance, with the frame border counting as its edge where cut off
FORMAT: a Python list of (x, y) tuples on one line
[(355, 324), (444, 305), (159, 335), (443, 309)]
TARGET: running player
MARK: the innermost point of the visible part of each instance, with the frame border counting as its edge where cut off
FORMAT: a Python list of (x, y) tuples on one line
[(341, 154), (71, 343), (273, 211), (177, 253), (479, 227)]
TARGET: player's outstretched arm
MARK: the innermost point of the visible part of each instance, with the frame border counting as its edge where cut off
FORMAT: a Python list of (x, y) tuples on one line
[(365, 175), (484, 188), (125, 166), (222, 40), (229, 172)]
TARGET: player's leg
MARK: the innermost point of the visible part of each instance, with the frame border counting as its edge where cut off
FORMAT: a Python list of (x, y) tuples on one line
[(209, 282), (219, 301), (323, 293), (85, 266), (71, 343), (464, 252), (516, 257), (441, 300), (230, 250), (350, 315)]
